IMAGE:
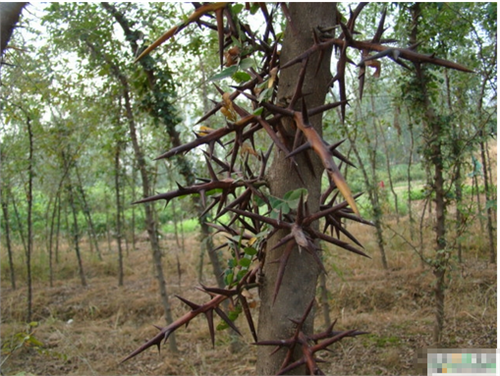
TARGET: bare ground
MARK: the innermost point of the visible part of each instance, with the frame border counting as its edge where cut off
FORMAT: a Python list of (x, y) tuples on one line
[(87, 331)]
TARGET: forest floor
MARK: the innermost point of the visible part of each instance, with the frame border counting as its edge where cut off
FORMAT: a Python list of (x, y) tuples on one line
[(88, 330)]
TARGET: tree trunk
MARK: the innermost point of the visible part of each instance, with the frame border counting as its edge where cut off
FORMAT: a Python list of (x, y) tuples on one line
[(434, 132), (5, 211), (371, 186), (146, 187), (51, 237), (389, 174), (88, 216), (150, 220), (489, 210), (299, 281), (118, 216), (58, 228), (9, 16), (76, 232), (29, 198), (19, 221), (324, 300)]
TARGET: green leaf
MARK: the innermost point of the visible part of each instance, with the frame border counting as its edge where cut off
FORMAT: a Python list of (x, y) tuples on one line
[(258, 112), (222, 325), (241, 77), (246, 63), (244, 262), (228, 278), (237, 8), (241, 274), (254, 8), (228, 72), (293, 197), (265, 95), (250, 251)]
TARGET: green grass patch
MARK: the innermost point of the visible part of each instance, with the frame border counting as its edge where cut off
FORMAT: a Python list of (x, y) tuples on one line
[(187, 226)]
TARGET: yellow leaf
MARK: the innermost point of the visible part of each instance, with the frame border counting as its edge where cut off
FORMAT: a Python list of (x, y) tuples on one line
[(205, 130)]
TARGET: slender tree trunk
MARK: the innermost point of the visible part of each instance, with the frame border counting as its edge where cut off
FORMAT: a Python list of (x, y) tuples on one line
[(58, 228), (108, 222), (51, 237), (434, 132), (299, 281), (19, 222), (76, 232), (371, 186), (484, 160), (88, 216), (489, 210), (132, 225), (408, 175), (457, 175), (150, 220), (29, 198), (118, 219), (389, 174), (146, 188), (5, 211)]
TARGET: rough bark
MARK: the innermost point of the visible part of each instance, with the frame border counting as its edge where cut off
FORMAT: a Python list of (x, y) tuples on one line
[(299, 281), (9, 16)]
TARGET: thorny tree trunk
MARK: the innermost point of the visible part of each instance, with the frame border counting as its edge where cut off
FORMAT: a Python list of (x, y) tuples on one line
[(299, 281), (324, 300), (434, 142)]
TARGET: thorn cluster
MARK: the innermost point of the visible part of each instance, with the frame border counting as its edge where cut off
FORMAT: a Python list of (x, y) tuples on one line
[(238, 187), (308, 344)]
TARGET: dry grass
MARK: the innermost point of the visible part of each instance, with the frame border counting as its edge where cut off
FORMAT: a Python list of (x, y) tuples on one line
[(395, 306)]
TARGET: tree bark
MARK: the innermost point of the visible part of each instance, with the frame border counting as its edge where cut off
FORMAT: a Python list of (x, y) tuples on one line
[(9, 15), (299, 281)]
